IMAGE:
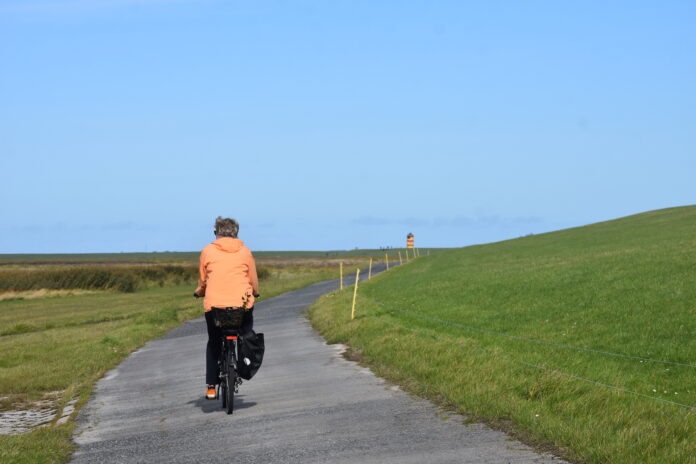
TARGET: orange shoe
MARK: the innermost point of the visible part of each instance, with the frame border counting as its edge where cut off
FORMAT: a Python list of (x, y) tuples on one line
[(211, 393)]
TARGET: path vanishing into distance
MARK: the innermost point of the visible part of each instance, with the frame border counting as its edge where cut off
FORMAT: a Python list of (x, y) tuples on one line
[(307, 404)]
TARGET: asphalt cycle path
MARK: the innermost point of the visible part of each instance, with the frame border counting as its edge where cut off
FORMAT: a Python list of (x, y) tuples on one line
[(307, 404)]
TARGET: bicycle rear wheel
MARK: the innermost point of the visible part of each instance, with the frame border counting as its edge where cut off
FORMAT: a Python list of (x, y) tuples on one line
[(228, 376), (228, 400), (222, 366), (223, 392)]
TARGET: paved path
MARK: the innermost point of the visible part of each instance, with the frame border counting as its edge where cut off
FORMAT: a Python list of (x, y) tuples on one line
[(307, 404)]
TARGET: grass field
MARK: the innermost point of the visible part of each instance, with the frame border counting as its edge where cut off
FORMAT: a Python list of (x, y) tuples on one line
[(582, 341), (54, 349)]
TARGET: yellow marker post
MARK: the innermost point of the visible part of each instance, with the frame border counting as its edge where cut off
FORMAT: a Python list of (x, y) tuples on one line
[(355, 294), (386, 260), (341, 275), (400, 261), (369, 270)]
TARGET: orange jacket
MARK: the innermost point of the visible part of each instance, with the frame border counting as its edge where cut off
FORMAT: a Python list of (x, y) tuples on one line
[(227, 274)]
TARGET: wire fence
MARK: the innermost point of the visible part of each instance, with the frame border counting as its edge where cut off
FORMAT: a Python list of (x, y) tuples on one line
[(540, 367), (519, 338)]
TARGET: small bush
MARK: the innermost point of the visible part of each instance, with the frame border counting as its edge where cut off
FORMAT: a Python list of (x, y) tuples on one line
[(19, 329), (263, 272)]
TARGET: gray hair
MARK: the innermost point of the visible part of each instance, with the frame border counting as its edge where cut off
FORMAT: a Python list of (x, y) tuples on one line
[(226, 227)]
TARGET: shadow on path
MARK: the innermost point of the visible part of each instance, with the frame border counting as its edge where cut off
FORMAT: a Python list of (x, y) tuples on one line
[(208, 406)]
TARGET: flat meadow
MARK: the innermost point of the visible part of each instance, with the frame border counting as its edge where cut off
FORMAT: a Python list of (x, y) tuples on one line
[(581, 341), (65, 320)]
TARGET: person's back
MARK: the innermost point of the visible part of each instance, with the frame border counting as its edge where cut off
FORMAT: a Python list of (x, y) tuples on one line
[(228, 274)]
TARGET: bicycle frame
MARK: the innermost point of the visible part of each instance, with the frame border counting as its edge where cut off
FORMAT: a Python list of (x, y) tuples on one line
[(228, 354)]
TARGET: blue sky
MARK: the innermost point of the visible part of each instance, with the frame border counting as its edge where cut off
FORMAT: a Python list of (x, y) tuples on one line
[(129, 125)]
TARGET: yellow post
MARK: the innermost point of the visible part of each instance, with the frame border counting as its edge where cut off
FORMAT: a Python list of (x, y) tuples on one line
[(341, 274), (386, 260), (400, 261), (406, 255), (369, 270), (355, 294)]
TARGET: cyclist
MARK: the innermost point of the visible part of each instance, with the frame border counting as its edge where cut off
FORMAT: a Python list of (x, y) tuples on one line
[(227, 279)]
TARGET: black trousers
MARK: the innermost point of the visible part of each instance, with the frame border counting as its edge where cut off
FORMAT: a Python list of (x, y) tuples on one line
[(212, 350)]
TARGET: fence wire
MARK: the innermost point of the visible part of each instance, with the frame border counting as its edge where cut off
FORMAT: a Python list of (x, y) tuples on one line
[(540, 367), (525, 339)]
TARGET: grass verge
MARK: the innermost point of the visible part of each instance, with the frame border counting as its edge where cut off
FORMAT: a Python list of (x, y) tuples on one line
[(73, 340), (582, 340)]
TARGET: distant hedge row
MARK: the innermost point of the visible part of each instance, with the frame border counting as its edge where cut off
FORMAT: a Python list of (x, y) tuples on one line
[(102, 277)]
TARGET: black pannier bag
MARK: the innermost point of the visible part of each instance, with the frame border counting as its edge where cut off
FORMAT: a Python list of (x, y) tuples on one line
[(251, 348)]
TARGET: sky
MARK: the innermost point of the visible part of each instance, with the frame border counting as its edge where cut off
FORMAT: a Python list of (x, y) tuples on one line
[(129, 125)]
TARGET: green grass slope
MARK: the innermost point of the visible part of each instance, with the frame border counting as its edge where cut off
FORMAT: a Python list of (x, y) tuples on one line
[(583, 340)]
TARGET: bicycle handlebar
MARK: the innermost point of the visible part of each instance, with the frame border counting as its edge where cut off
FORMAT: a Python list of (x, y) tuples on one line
[(196, 295)]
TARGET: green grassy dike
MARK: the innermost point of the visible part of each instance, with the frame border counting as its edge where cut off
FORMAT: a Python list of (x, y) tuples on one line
[(55, 349), (502, 333)]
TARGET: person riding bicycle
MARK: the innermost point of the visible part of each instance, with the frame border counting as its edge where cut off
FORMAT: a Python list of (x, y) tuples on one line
[(227, 279)]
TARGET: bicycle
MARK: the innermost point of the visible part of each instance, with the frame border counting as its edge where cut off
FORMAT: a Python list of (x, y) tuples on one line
[(229, 319)]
